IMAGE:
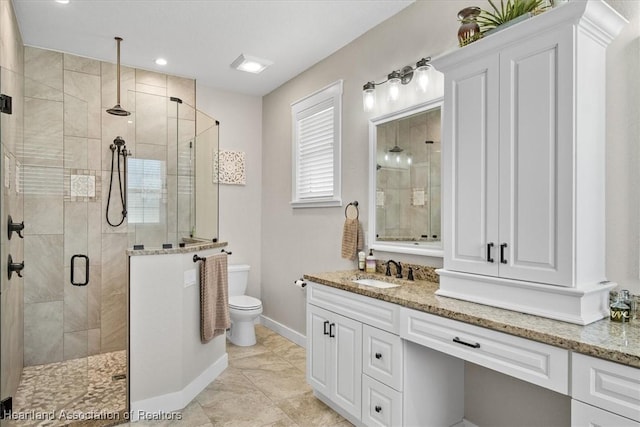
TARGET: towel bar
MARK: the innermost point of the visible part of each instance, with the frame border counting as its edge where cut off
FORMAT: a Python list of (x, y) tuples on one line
[(197, 258)]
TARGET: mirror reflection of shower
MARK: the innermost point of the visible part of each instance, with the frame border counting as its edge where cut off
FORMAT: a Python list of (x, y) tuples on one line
[(118, 149)]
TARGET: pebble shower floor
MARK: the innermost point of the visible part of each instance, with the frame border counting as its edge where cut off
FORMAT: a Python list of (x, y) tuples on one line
[(50, 395)]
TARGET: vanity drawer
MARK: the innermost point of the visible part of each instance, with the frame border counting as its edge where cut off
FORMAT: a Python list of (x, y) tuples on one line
[(381, 314), (382, 356), (607, 385), (531, 361), (381, 405), (586, 415)]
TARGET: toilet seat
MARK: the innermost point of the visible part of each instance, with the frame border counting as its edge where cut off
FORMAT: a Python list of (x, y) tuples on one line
[(244, 302)]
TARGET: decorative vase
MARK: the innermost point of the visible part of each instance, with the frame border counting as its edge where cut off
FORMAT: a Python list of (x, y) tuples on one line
[(469, 30)]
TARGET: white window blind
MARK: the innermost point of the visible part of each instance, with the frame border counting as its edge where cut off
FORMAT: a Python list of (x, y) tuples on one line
[(145, 190), (316, 137)]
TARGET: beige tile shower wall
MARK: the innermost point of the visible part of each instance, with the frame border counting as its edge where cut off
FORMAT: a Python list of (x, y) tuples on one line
[(67, 133), (11, 201)]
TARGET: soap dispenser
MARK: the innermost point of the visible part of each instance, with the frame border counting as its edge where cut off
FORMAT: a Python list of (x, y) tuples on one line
[(370, 262)]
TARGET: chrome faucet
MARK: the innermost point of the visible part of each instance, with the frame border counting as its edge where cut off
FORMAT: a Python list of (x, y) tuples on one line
[(398, 269)]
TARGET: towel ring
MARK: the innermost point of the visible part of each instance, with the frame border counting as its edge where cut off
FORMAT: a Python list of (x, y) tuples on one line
[(351, 211)]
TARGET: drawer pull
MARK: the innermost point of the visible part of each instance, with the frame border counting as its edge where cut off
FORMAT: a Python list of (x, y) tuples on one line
[(503, 260), (489, 246), (378, 408), (326, 323), (331, 333), (459, 341), (378, 356)]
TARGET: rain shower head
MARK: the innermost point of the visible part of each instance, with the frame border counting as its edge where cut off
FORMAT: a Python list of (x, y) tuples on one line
[(117, 110)]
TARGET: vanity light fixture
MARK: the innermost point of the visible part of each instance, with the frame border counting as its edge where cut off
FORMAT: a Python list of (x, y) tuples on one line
[(250, 64), (395, 79)]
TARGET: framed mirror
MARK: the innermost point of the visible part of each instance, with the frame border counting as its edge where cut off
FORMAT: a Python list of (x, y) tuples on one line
[(404, 181)]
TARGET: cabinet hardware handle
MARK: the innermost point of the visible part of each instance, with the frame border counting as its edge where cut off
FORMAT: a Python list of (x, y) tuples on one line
[(459, 341), (502, 258), (489, 246), (378, 356), (331, 333), (378, 408), (326, 323)]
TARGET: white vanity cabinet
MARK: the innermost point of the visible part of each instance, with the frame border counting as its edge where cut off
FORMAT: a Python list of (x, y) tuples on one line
[(383, 364), (523, 165), (605, 393), (346, 333), (334, 365)]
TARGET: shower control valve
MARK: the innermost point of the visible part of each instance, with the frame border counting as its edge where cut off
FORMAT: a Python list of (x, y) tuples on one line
[(14, 226), (14, 267)]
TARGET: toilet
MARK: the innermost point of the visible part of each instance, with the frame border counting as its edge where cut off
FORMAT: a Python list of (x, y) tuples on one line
[(243, 309)]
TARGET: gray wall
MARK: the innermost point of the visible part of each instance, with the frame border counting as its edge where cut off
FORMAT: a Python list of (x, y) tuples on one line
[(240, 119), (299, 241)]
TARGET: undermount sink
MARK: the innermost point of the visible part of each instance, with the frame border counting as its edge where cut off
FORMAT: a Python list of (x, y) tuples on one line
[(375, 283)]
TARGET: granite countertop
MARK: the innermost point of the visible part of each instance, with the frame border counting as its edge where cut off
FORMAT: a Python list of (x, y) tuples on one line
[(617, 342), (188, 248)]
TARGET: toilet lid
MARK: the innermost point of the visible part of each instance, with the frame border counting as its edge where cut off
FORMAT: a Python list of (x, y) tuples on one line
[(244, 302)]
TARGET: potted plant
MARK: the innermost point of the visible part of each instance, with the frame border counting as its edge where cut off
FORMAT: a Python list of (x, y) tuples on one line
[(507, 13)]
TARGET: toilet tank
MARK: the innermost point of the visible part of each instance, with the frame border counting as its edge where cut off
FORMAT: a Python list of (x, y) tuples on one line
[(238, 278)]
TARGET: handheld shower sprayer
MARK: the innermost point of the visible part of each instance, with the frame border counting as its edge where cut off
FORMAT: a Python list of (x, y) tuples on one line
[(118, 148)]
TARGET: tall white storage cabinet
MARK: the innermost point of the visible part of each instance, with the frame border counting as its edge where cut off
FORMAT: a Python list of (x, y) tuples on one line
[(524, 156)]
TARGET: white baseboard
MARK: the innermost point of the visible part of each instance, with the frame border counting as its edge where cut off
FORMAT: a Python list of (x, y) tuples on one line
[(464, 423), (177, 400), (285, 331)]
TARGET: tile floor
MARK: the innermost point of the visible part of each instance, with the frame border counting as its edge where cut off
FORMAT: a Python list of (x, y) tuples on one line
[(264, 385)]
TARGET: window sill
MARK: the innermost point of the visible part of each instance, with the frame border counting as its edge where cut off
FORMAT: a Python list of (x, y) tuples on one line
[(332, 203)]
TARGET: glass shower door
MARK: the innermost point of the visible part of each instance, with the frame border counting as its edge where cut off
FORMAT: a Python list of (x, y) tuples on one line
[(11, 204)]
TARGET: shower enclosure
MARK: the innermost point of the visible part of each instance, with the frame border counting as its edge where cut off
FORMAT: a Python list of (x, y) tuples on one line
[(63, 329)]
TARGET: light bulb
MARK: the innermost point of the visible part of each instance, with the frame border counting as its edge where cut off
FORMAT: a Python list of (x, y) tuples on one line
[(394, 86), (369, 96), (398, 158), (409, 160), (421, 74), (386, 157)]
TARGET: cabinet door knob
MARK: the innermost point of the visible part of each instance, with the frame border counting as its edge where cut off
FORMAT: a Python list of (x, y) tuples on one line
[(326, 323), (378, 408), (503, 260), (489, 246), (378, 356)]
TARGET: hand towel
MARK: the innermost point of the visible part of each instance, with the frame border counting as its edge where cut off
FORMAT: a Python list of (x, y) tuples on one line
[(214, 297), (352, 238)]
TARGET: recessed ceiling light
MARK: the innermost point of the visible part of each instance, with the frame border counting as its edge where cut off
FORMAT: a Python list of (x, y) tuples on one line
[(250, 64), (161, 61), (62, 1)]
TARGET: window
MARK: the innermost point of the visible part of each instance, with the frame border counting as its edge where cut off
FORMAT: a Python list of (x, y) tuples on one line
[(145, 190), (316, 148)]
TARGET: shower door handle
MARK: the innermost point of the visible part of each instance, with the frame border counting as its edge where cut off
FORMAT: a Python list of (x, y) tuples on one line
[(86, 270)]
